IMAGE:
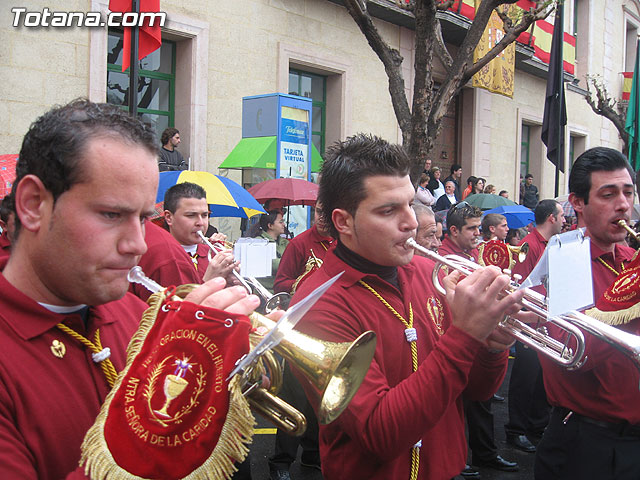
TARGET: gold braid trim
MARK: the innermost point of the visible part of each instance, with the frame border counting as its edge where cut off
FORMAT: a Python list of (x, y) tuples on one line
[(618, 317), (96, 347), (236, 434)]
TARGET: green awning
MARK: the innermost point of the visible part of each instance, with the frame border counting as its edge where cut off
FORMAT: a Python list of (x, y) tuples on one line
[(257, 152), (316, 159), (261, 152)]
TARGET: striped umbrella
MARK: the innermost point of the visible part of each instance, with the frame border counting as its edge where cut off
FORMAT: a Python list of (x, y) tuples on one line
[(225, 197)]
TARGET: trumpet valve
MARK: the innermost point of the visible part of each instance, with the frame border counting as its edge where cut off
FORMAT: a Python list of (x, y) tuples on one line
[(517, 278)]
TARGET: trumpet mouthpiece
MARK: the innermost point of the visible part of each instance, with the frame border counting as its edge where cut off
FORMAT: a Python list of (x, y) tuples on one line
[(136, 275)]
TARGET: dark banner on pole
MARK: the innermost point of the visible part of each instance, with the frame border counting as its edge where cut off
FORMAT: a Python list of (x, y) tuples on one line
[(555, 109)]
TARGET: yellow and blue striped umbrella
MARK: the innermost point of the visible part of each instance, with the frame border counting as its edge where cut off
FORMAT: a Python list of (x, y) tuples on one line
[(225, 197)]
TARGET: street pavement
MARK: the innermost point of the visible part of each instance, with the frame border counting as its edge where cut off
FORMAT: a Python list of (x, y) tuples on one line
[(263, 445)]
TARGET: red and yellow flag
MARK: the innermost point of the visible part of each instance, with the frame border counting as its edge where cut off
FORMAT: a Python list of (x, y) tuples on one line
[(626, 86), (542, 36)]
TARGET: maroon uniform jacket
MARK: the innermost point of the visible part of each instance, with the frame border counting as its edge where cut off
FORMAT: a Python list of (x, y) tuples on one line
[(202, 259), (537, 244), (47, 403), (395, 408), (606, 386), (295, 256)]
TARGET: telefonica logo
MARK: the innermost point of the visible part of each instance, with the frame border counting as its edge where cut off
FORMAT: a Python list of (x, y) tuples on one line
[(295, 131)]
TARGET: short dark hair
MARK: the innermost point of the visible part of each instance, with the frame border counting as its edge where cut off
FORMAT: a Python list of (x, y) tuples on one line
[(528, 175), (268, 218), (348, 164), (503, 191), (455, 167), (490, 220), (6, 208), (182, 190), (168, 134), (53, 146), (596, 159), (544, 209), (471, 179), (459, 213)]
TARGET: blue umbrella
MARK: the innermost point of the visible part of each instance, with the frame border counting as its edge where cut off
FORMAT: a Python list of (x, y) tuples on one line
[(518, 216), (225, 197)]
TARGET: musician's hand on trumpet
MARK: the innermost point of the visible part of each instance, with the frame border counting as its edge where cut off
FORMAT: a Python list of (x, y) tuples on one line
[(478, 304), (218, 237), (221, 265)]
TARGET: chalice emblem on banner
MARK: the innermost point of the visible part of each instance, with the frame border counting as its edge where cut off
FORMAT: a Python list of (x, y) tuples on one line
[(174, 385)]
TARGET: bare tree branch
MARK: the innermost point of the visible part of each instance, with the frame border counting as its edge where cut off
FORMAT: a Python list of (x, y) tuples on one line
[(443, 6), (391, 59), (441, 49), (420, 124), (405, 5), (603, 104)]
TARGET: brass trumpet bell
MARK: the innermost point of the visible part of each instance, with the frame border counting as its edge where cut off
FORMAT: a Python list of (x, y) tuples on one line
[(332, 371), (521, 251)]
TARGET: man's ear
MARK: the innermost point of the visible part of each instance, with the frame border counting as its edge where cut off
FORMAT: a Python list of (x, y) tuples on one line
[(168, 217), (33, 201), (453, 231), (576, 202), (343, 221)]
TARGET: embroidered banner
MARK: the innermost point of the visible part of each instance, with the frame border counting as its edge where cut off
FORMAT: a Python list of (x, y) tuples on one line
[(496, 76), (172, 405)]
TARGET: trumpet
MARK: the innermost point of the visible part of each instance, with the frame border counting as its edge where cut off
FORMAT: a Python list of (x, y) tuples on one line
[(520, 251), (253, 286), (537, 338), (332, 371), (629, 230)]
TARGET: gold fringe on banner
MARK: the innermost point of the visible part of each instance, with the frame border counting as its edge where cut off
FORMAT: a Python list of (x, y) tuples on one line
[(619, 317)]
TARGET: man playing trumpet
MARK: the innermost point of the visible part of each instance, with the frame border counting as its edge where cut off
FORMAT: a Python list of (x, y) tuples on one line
[(594, 430), (406, 419), (186, 212), (86, 184)]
